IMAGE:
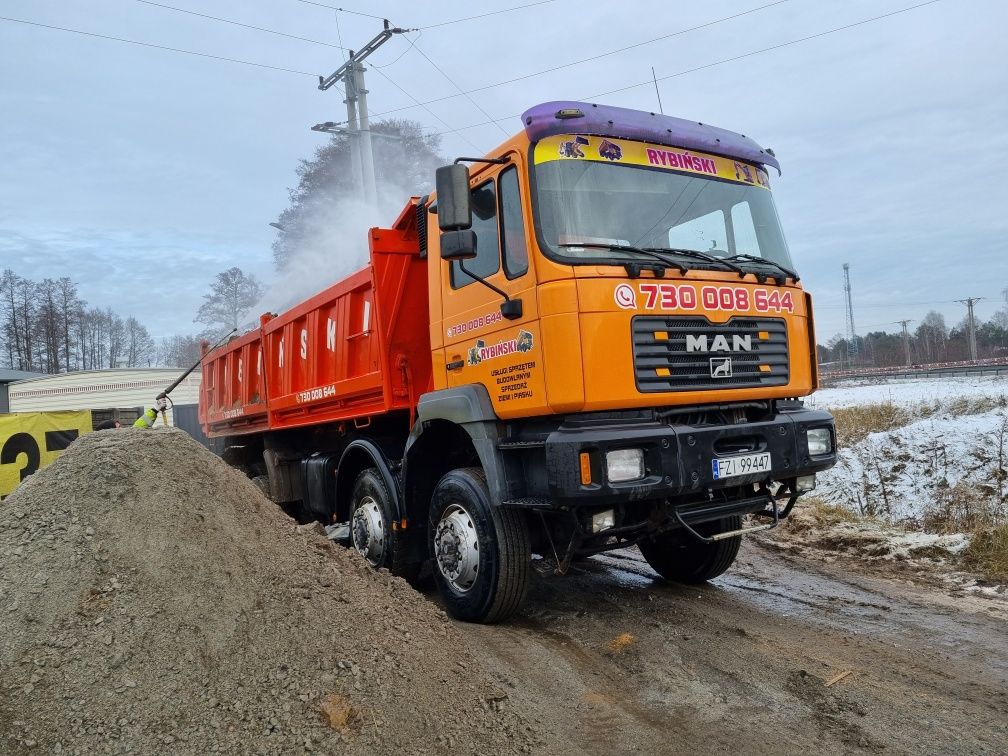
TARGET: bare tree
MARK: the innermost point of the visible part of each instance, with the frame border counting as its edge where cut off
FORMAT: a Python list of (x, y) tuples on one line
[(178, 351), (232, 295), (116, 338), (70, 305), (139, 344), (932, 335)]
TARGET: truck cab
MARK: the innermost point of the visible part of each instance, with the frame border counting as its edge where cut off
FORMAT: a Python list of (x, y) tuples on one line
[(617, 306)]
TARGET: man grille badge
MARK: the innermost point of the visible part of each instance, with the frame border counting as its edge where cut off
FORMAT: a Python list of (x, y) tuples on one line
[(720, 367)]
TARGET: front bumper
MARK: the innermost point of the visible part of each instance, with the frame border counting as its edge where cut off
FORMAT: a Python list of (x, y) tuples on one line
[(678, 457)]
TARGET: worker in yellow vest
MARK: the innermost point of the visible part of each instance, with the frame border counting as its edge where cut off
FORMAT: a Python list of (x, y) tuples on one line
[(147, 419)]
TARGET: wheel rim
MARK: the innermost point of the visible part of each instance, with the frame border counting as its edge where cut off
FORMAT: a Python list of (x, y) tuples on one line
[(368, 531), (456, 548)]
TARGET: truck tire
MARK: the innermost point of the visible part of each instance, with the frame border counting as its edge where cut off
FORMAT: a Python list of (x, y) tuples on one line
[(680, 559), (481, 552), (371, 529)]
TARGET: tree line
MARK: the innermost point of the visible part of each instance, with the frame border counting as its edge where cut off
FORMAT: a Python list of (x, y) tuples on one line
[(46, 327), (931, 341)]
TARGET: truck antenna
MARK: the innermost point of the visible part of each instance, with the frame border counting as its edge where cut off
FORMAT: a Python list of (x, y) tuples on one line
[(655, 79)]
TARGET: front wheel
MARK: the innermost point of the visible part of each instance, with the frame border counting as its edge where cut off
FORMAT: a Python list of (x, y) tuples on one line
[(481, 552), (371, 527), (681, 559)]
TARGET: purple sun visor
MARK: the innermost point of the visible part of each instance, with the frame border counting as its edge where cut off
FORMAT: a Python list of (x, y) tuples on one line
[(570, 117)]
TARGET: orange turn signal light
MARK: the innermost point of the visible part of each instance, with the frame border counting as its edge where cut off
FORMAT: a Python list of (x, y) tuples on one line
[(585, 469)]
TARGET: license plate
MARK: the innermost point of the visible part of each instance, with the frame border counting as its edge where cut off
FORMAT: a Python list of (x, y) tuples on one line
[(746, 464)]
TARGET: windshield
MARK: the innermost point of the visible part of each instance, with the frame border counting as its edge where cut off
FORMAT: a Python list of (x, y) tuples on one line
[(622, 204)]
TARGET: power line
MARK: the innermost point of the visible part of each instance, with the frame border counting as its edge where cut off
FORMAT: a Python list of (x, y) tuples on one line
[(484, 15), (431, 26), (394, 84), (772, 47), (598, 56), (339, 35), (158, 47), (467, 95), (670, 76), (412, 44), (336, 8), (239, 23)]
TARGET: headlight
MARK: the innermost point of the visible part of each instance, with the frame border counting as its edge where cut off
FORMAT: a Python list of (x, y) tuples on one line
[(819, 441), (603, 521), (805, 483), (624, 464)]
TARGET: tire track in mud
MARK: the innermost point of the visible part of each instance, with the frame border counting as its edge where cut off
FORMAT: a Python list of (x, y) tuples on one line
[(741, 664)]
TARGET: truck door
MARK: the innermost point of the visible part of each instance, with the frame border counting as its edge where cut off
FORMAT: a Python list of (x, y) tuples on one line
[(482, 346)]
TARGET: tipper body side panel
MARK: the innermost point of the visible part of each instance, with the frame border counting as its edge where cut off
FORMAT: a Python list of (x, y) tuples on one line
[(357, 349), (233, 391)]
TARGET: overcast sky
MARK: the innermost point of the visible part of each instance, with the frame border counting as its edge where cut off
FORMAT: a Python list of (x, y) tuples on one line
[(141, 173)]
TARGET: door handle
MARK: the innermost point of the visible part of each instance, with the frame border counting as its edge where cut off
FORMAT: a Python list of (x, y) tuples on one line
[(455, 364)]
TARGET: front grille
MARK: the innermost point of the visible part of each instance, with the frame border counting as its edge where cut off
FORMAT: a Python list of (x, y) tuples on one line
[(663, 361)]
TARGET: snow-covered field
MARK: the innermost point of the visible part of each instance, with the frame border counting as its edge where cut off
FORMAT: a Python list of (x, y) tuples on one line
[(910, 392), (944, 464), (949, 462)]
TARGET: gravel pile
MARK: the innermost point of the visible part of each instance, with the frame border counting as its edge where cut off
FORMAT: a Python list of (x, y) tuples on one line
[(152, 600)]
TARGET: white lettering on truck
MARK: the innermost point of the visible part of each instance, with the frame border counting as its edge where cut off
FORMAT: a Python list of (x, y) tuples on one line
[(330, 339), (719, 344)]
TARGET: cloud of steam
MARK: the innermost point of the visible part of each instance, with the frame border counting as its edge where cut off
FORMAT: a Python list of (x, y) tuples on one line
[(332, 244)]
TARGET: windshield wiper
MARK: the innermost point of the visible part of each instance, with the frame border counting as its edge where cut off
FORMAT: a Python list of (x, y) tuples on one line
[(647, 252), (765, 261), (698, 255)]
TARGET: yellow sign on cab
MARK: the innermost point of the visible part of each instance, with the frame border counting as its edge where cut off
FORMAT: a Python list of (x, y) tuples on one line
[(32, 440)]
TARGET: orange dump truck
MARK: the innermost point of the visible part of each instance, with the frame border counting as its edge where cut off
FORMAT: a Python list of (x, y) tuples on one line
[(601, 342)]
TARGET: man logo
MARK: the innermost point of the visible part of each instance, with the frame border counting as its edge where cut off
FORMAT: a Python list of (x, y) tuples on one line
[(720, 367)]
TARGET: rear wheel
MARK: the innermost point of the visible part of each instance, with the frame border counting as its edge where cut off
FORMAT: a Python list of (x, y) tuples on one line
[(371, 526), (481, 552), (681, 559)]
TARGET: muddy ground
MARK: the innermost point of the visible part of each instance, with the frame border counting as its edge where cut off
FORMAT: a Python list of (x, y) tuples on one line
[(741, 665)]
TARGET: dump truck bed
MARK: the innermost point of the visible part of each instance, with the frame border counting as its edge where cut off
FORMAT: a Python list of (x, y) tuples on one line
[(357, 349)]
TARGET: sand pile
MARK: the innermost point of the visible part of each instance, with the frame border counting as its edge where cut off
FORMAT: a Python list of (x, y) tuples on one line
[(152, 600)]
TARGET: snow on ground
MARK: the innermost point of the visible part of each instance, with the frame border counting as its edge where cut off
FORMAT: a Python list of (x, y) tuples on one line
[(909, 391), (943, 463), (912, 485)]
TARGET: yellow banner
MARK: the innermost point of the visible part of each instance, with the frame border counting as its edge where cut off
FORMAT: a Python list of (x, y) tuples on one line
[(32, 440), (609, 150)]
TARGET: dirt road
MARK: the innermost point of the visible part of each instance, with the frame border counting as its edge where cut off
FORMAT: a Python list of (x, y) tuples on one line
[(740, 665)]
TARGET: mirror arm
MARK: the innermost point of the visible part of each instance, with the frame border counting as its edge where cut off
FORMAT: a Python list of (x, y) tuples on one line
[(509, 310), (493, 161)]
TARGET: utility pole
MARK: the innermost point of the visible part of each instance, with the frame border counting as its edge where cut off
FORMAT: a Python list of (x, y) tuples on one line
[(971, 324), (906, 339), (351, 74), (852, 345)]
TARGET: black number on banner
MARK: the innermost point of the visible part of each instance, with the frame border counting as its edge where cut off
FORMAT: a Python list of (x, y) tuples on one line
[(21, 443)]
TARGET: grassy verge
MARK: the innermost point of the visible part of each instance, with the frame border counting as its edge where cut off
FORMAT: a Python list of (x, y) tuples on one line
[(988, 552), (854, 424)]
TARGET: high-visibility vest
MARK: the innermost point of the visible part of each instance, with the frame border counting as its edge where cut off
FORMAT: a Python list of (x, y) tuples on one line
[(147, 419)]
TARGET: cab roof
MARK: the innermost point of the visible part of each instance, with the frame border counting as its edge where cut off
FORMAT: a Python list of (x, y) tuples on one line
[(572, 117)]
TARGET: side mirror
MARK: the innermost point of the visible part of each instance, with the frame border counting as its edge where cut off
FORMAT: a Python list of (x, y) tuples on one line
[(458, 245), (454, 209)]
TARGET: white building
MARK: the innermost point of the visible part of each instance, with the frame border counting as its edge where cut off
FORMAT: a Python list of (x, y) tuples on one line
[(120, 393)]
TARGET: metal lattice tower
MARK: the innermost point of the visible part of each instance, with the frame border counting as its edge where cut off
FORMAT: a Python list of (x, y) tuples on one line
[(971, 325), (852, 344)]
